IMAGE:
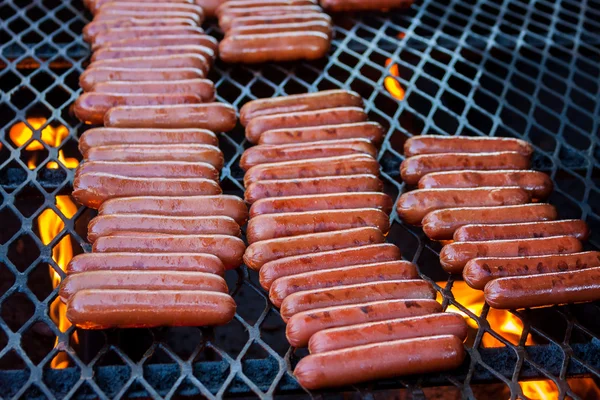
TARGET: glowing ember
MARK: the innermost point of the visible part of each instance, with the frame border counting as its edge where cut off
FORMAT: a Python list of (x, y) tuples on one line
[(391, 84), (539, 390)]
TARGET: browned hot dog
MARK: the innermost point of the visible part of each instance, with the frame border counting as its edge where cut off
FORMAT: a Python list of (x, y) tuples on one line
[(110, 15), (96, 27), (413, 206), (454, 256), (110, 53), (441, 224), (226, 18), (203, 88), (190, 60), (103, 308), (361, 5), (115, 34), (366, 130), (203, 40), (94, 5), (430, 144), (257, 254), (480, 271), (308, 26), (414, 168), (231, 4), (279, 19), (160, 6), (151, 169), (475, 233), (93, 76)]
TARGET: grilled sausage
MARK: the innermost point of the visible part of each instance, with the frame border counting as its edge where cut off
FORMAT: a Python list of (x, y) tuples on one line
[(111, 53), (327, 260), (350, 275), (111, 15), (414, 168), (271, 226), (475, 233), (380, 360), (299, 103), (228, 248), (227, 205), (107, 225), (308, 26), (278, 19), (365, 130), (441, 224), (112, 35), (102, 308), (190, 60), (334, 201), (416, 289), (93, 76), (322, 185), (260, 253), (226, 18), (87, 262), (361, 5), (96, 27), (385, 331), (331, 116), (167, 40), (93, 189), (237, 4), (111, 136), (216, 117), (537, 183), (203, 88), (430, 144), (544, 289), (151, 169), (454, 256), (161, 6), (480, 271)]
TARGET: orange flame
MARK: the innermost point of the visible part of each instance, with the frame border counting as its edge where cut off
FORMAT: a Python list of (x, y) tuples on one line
[(390, 83), (539, 390)]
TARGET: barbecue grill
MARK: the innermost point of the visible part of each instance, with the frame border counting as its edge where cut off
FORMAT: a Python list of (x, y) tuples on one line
[(516, 68)]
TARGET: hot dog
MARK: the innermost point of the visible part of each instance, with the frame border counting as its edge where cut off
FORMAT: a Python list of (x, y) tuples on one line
[(226, 18), (110, 53), (94, 5), (190, 60), (361, 5), (269, 154), (385, 331), (93, 189), (161, 6), (199, 262), (352, 164), (430, 144), (544, 289), (228, 248), (103, 308), (366, 130), (415, 289), (299, 103), (414, 168), (107, 225), (278, 19), (441, 224), (203, 88), (228, 5), (96, 27), (322, 185), (351, 275), (537, 183), (165, 41), (331, 116), (115, 34), (327, 260), (380, 360), (150, 169), (480, 271), (271, 226), (454, 256), (216, 117), (334, 201), (308, 26), (413, 206), (475, 233), (111, 15), (260, 253), (92, 76)]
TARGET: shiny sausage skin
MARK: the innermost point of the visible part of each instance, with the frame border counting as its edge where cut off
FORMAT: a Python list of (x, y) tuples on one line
[(269, 154), (199, 262), (103, 308), (226, 18), (150, 169), (94, 5), (111, 53), (115, 34), (166, 40), (327, 260), (111, 15), (92, 76), (380, 360), (257, 254), (331, 116), (334, 201), (476, 233), (141, 280), (230, 4), (107, 225), (149, 7), (91, 107), (228, 248), (216, 117), (111, 136), (441, 224), (480, 271), (414, 168), (537, 183), (271, 226), (352, 164), (544, 289), (351, 275), (190, 60), (308, 26), (299, 103), (93, 189), (188, 206), (413, 206), (322, 185), (415, 289), (279, 19), (430, 144), (385, 331), (365, 130), (96, 27), (362, 5), (203, 88), (455, 256)]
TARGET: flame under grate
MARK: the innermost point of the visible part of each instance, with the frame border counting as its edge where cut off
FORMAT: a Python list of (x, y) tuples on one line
[(527, 69)]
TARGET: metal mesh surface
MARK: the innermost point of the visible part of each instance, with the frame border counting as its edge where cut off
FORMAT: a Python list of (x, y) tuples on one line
[(527, 69)]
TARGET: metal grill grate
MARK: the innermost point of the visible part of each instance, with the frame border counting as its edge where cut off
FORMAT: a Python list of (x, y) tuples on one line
[(527, 69)]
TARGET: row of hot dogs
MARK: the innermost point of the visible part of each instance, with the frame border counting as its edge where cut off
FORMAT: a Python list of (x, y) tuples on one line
[(479, 192)]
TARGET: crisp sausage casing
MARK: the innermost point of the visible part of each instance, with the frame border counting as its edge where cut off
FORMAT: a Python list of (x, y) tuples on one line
[(191, 60), (226, 18), (362, 5), (111, 15), (365, 130), (429, 144), (115, 34), (150, 169), (110, 53), (279, 19), (96, 27), (243, 4), (203, 88), (307, 26), (476, 233), (166, 41), (92, 76)]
